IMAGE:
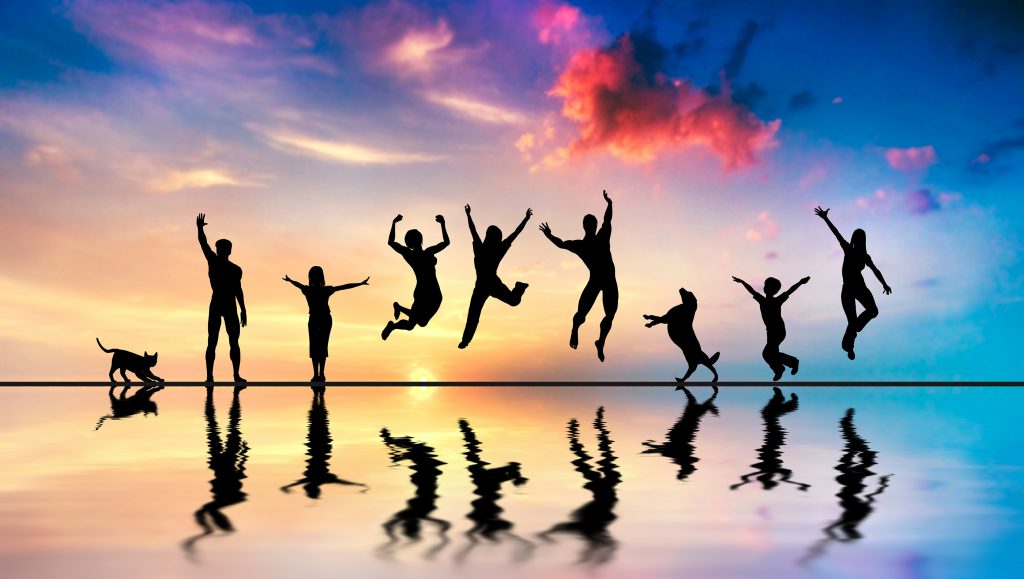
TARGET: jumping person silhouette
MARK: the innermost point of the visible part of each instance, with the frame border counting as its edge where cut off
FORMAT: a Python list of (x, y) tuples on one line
[(595, 251), (317, 295), (680, 329), (855, 257), (426, 298), (487, 255), (226, 282), (771, 313)]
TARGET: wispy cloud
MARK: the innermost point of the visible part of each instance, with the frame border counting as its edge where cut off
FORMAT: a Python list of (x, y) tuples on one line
[(339, 151), (476, 109)]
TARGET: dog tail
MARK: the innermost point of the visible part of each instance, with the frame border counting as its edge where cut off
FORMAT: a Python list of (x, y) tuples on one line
[(713, 358), (101, 346)]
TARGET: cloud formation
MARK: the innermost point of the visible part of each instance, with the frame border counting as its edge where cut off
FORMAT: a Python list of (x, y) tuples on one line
[(911, 159), (621, 100), (339, 151)]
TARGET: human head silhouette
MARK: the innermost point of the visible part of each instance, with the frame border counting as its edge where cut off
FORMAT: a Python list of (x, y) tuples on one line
[(493, 235), (772, 286), (413, 239), (589, 224), (859, 239), (223, 248), (316, 276)]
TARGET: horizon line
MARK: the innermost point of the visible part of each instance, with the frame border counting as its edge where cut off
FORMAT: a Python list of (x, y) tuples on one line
[(533, 383)]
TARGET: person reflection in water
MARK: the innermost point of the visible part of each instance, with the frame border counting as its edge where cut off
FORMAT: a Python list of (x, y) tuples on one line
[(595, 251), (487, 480), (591, 521), (678, 443), (487, 255), (227, 461), (770, 454), (426, 298), (680, 330), (854, 469), (319, 443), (226, 283), (409, 522), (122, 407), (317, 295)]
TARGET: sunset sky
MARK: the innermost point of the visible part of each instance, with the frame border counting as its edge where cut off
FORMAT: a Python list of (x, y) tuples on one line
[(302, 128)]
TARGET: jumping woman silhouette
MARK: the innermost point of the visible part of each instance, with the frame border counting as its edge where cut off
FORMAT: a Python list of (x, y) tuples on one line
[(595, 251), (855, 257), (775, 326), (426, 298), (317, 295), (487, 255)]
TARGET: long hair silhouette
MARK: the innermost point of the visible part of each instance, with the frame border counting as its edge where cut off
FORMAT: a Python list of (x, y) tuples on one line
[(769, 465), (319, 444), (678, 444), (408, 523)]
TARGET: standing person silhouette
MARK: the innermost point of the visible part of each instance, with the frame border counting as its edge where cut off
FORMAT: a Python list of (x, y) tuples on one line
[(487, 255), (855, 257), (771, 313), (596, 252), (226, 283), (426, 298), (320, 322), (680, 329)]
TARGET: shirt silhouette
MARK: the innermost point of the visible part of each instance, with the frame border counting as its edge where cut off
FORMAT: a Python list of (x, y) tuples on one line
[(595, 251), (855, 258), (226, 283), (680, 330), (775, 327), (487, 255), (427, 295)]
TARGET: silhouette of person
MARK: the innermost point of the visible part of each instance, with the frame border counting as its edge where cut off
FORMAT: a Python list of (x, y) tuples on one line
[(487, 480), (226, 283), (227, 461), (409, 521), (122, 407), (680, 329), (596, 252), (319, 443), (769, 465), (591, 521), (771, 313), (855, 257), (854, 469), (320, 322), (487, 255), (426, 298), (678, 443)]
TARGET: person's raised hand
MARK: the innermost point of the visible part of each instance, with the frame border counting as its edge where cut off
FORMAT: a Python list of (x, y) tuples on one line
[(736, 279), (201, 220), (439, 219), (886, 289), (366, 281), (545, 228), (606, 197), (806, 279), (286, 278), (467, 209), (823, 213), (397, 218), (529, 213)]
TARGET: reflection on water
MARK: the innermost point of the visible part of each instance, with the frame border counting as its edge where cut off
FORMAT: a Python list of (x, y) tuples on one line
[(227, 461), (626, 514), (591, 521), (769, 464)]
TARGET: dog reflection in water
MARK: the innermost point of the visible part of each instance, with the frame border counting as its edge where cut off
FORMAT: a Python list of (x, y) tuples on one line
[(123, 406), (409, 522)]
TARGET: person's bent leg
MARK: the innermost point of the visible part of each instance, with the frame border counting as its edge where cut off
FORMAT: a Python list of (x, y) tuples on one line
[(587, 298), (476, 306), (213, 333), (771, 356), (870, 308), (501, 292)]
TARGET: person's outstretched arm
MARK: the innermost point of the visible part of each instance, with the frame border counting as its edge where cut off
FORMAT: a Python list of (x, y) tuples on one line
[(522, 224), (823, 213), (551, 236), (293, 282), (444, 237), (241, 304), (654, 320), (472, 226), (203, 243), (790, 291), (607, 226), (348, 286), (746, 285), (391, 237), (878, 274)]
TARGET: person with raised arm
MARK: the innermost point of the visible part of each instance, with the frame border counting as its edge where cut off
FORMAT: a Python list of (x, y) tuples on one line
[(596, 253), (320, 321), (426, 298), (226, 283), (487, 255), (855, 257), (771, 314)]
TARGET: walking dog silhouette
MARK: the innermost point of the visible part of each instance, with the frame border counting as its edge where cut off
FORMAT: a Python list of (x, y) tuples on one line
[(595, 252), (226, 283), (771, 314), (680, 329), (427, 295)]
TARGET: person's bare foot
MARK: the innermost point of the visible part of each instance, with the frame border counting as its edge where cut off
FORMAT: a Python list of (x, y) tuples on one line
[(463, 344), (574, 338), (796, 366), (398, 311), (778, 374), (240, 380), (387, 330), (600, 350)]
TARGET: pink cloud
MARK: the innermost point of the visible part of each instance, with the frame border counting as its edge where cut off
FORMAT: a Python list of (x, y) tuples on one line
[(635, 111), (766, 228), (911, 158), (556, 22)]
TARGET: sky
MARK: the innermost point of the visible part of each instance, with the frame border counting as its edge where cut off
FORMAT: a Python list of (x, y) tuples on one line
[(302, 128)]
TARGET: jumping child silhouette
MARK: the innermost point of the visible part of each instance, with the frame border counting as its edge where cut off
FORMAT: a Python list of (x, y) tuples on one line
[(426, 298), (320, 322), (771, 313)]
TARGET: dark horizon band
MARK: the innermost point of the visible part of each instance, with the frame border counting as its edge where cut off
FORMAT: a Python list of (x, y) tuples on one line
[(542, 383)]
